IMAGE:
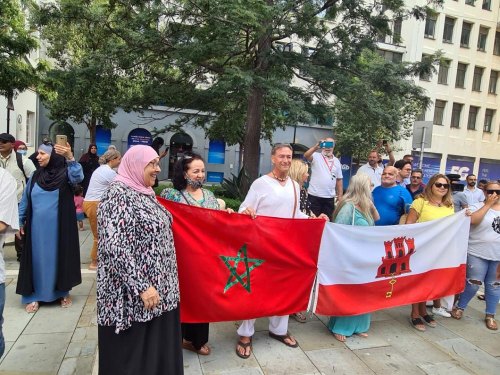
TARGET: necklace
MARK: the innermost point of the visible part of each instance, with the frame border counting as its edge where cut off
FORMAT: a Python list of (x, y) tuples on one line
[(435, 203), (279, 178)]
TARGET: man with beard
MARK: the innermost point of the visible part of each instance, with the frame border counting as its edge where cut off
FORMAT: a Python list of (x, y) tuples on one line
[(474, 194), (326, 177)]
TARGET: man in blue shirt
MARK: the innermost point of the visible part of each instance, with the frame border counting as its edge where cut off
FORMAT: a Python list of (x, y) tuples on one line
[(390, 199)]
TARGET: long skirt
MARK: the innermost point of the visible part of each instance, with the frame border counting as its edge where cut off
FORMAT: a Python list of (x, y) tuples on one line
[(148, 348), (196, 333), (349, 325)]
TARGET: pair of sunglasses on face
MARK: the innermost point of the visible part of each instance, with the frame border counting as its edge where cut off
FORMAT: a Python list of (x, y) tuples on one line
[(493, 191)]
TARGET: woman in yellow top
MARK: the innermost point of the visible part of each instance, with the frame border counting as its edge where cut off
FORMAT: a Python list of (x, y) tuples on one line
[(434, 203)]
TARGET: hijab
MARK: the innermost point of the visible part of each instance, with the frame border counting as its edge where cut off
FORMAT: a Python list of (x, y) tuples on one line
[(89, 155), (131, 169), (52, 176)]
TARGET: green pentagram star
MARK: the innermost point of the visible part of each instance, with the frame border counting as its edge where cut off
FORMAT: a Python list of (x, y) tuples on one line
[(234, 278)]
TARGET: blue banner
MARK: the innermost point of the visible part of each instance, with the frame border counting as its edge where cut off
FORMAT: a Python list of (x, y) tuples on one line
[(216, 152), (139, 136), (488, 171), (430, 166), (461, 167), (102, 139)]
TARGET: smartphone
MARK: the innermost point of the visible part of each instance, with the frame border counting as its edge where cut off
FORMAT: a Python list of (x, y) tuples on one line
[(326, 144), (61, 140)]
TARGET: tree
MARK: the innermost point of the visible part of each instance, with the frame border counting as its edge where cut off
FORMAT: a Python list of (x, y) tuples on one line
[(86, 83), (16, 43), (256, 65)]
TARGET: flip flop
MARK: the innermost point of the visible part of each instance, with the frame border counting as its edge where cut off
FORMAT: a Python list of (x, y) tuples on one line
[(66, 302), (282, 338), (491, 323), (32, 307), (244, 345), (189, 346), (299, 317)]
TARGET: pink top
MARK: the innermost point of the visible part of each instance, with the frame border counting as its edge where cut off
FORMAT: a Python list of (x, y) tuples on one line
[(78, 204)]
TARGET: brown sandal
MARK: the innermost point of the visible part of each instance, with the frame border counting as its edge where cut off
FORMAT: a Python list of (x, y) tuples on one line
[(491, 323), (204, 350), (457, 313)]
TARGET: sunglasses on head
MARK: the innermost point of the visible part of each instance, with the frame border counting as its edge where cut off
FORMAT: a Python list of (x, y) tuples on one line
[(440, 185), (493, 191)]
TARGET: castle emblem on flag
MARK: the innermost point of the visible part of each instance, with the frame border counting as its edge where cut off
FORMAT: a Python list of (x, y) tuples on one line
[(396, 260)]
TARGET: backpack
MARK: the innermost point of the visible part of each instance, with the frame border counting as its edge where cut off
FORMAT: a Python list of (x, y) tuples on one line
[(19, 160)]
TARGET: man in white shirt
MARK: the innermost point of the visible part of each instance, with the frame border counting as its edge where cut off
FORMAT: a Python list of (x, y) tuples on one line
[(9, 223), (474, 194), (372, 169), (274, 194), (326, 177)]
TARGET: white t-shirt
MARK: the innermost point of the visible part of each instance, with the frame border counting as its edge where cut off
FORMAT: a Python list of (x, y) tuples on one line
[(375, 174), (484, 238), (269, 198), (8, 212), (99, 182), (324, 174)]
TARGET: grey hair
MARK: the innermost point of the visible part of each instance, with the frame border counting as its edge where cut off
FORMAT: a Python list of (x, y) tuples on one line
[(108, 156)]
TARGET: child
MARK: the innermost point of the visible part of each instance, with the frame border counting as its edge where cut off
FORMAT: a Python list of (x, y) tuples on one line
[(78, 199)]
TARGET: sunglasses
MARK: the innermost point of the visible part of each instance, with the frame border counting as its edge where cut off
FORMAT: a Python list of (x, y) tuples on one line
[(493, 191), (440, 185), (47, 143)]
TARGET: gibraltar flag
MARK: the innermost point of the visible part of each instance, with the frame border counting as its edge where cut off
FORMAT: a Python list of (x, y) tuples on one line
[(363, 269), (233, 267)]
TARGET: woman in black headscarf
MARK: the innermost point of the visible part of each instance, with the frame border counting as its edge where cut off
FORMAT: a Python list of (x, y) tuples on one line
[(50, 262), (89, 162)]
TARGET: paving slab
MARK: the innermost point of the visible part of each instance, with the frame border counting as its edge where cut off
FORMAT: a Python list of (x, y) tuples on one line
[(76, 366), (444, 368), (37, 353), (338, 361), (191, 362), (313, 335), (387, 360), (471, 356)]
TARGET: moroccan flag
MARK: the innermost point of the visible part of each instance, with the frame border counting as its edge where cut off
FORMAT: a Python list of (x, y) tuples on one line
[(233, 267), (363, 269)]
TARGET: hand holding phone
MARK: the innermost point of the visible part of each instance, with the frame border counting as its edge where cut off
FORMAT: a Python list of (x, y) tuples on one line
[(326, 144), (61, 140)]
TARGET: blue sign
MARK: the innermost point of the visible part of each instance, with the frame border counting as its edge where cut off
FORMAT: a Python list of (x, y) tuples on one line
[(216, 177), (461, 167), (430, 167), (102, 139), (139, 136), (216, 152), (347, 170), (489, 171)]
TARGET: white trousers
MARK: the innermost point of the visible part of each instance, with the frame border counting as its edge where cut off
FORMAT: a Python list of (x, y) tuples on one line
[(277, 325)]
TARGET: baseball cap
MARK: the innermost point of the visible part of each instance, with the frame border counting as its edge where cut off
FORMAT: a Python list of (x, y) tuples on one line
[(6, 137)]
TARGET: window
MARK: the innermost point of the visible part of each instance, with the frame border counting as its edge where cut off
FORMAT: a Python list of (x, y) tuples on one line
[(30, 128), (395, 57), (425, 76), (486, 4), (460, 80), (471, 122), (492, 87), (488, 120), (464, 38), (430, 26), (449, 24), (439, 112), (455, 115), (444, 66), (476, 81), (496, 46), (396, 30), (481, 40), (421, 116), (470, 2)]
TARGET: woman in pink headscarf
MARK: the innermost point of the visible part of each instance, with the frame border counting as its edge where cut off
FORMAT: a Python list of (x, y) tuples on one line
[(138, 320)]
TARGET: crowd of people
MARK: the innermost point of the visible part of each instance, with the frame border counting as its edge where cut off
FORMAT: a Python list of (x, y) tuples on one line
[(139, 327)]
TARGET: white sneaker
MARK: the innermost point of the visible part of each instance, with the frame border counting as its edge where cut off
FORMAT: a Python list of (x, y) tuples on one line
[(441, 312)]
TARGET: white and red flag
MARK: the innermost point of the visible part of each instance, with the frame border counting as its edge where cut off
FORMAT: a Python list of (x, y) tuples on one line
[(363, 269)]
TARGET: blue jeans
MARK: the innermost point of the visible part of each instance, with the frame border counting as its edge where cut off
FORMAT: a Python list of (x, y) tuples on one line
[(2, 304), (481, 271)]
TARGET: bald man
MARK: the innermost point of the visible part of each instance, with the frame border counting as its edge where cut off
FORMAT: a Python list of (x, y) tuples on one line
[(390, 199)]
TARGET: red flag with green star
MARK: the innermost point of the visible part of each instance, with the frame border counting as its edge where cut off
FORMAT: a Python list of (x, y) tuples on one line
[(233, 267)]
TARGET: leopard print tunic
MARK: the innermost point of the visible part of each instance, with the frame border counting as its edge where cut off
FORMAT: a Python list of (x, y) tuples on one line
[(135, 251)]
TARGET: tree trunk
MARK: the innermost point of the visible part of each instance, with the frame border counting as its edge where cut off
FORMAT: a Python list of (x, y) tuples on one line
[(92, 129)]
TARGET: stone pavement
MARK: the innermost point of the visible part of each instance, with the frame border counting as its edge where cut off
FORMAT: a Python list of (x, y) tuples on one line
[(64, 341)]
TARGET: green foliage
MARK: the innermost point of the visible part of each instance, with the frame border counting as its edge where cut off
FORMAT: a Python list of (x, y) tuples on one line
[(234, 187), (16, 43)]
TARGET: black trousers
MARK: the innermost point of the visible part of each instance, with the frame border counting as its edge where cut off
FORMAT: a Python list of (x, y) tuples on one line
[(149, 348), (19, 245), (196, 333), (322, 205)]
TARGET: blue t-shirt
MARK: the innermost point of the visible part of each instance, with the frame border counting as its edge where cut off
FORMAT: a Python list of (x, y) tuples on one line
[(391, 203)]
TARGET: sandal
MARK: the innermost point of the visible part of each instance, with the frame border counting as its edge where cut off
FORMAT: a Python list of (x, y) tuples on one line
[(282, 338), (362, 334), (32, 307), (457, 313), (299, 317), (418, 324), (481, 297), (66, 302), (244, 345), (491, 323), (204, 350), (339, 337), (429, 320)]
